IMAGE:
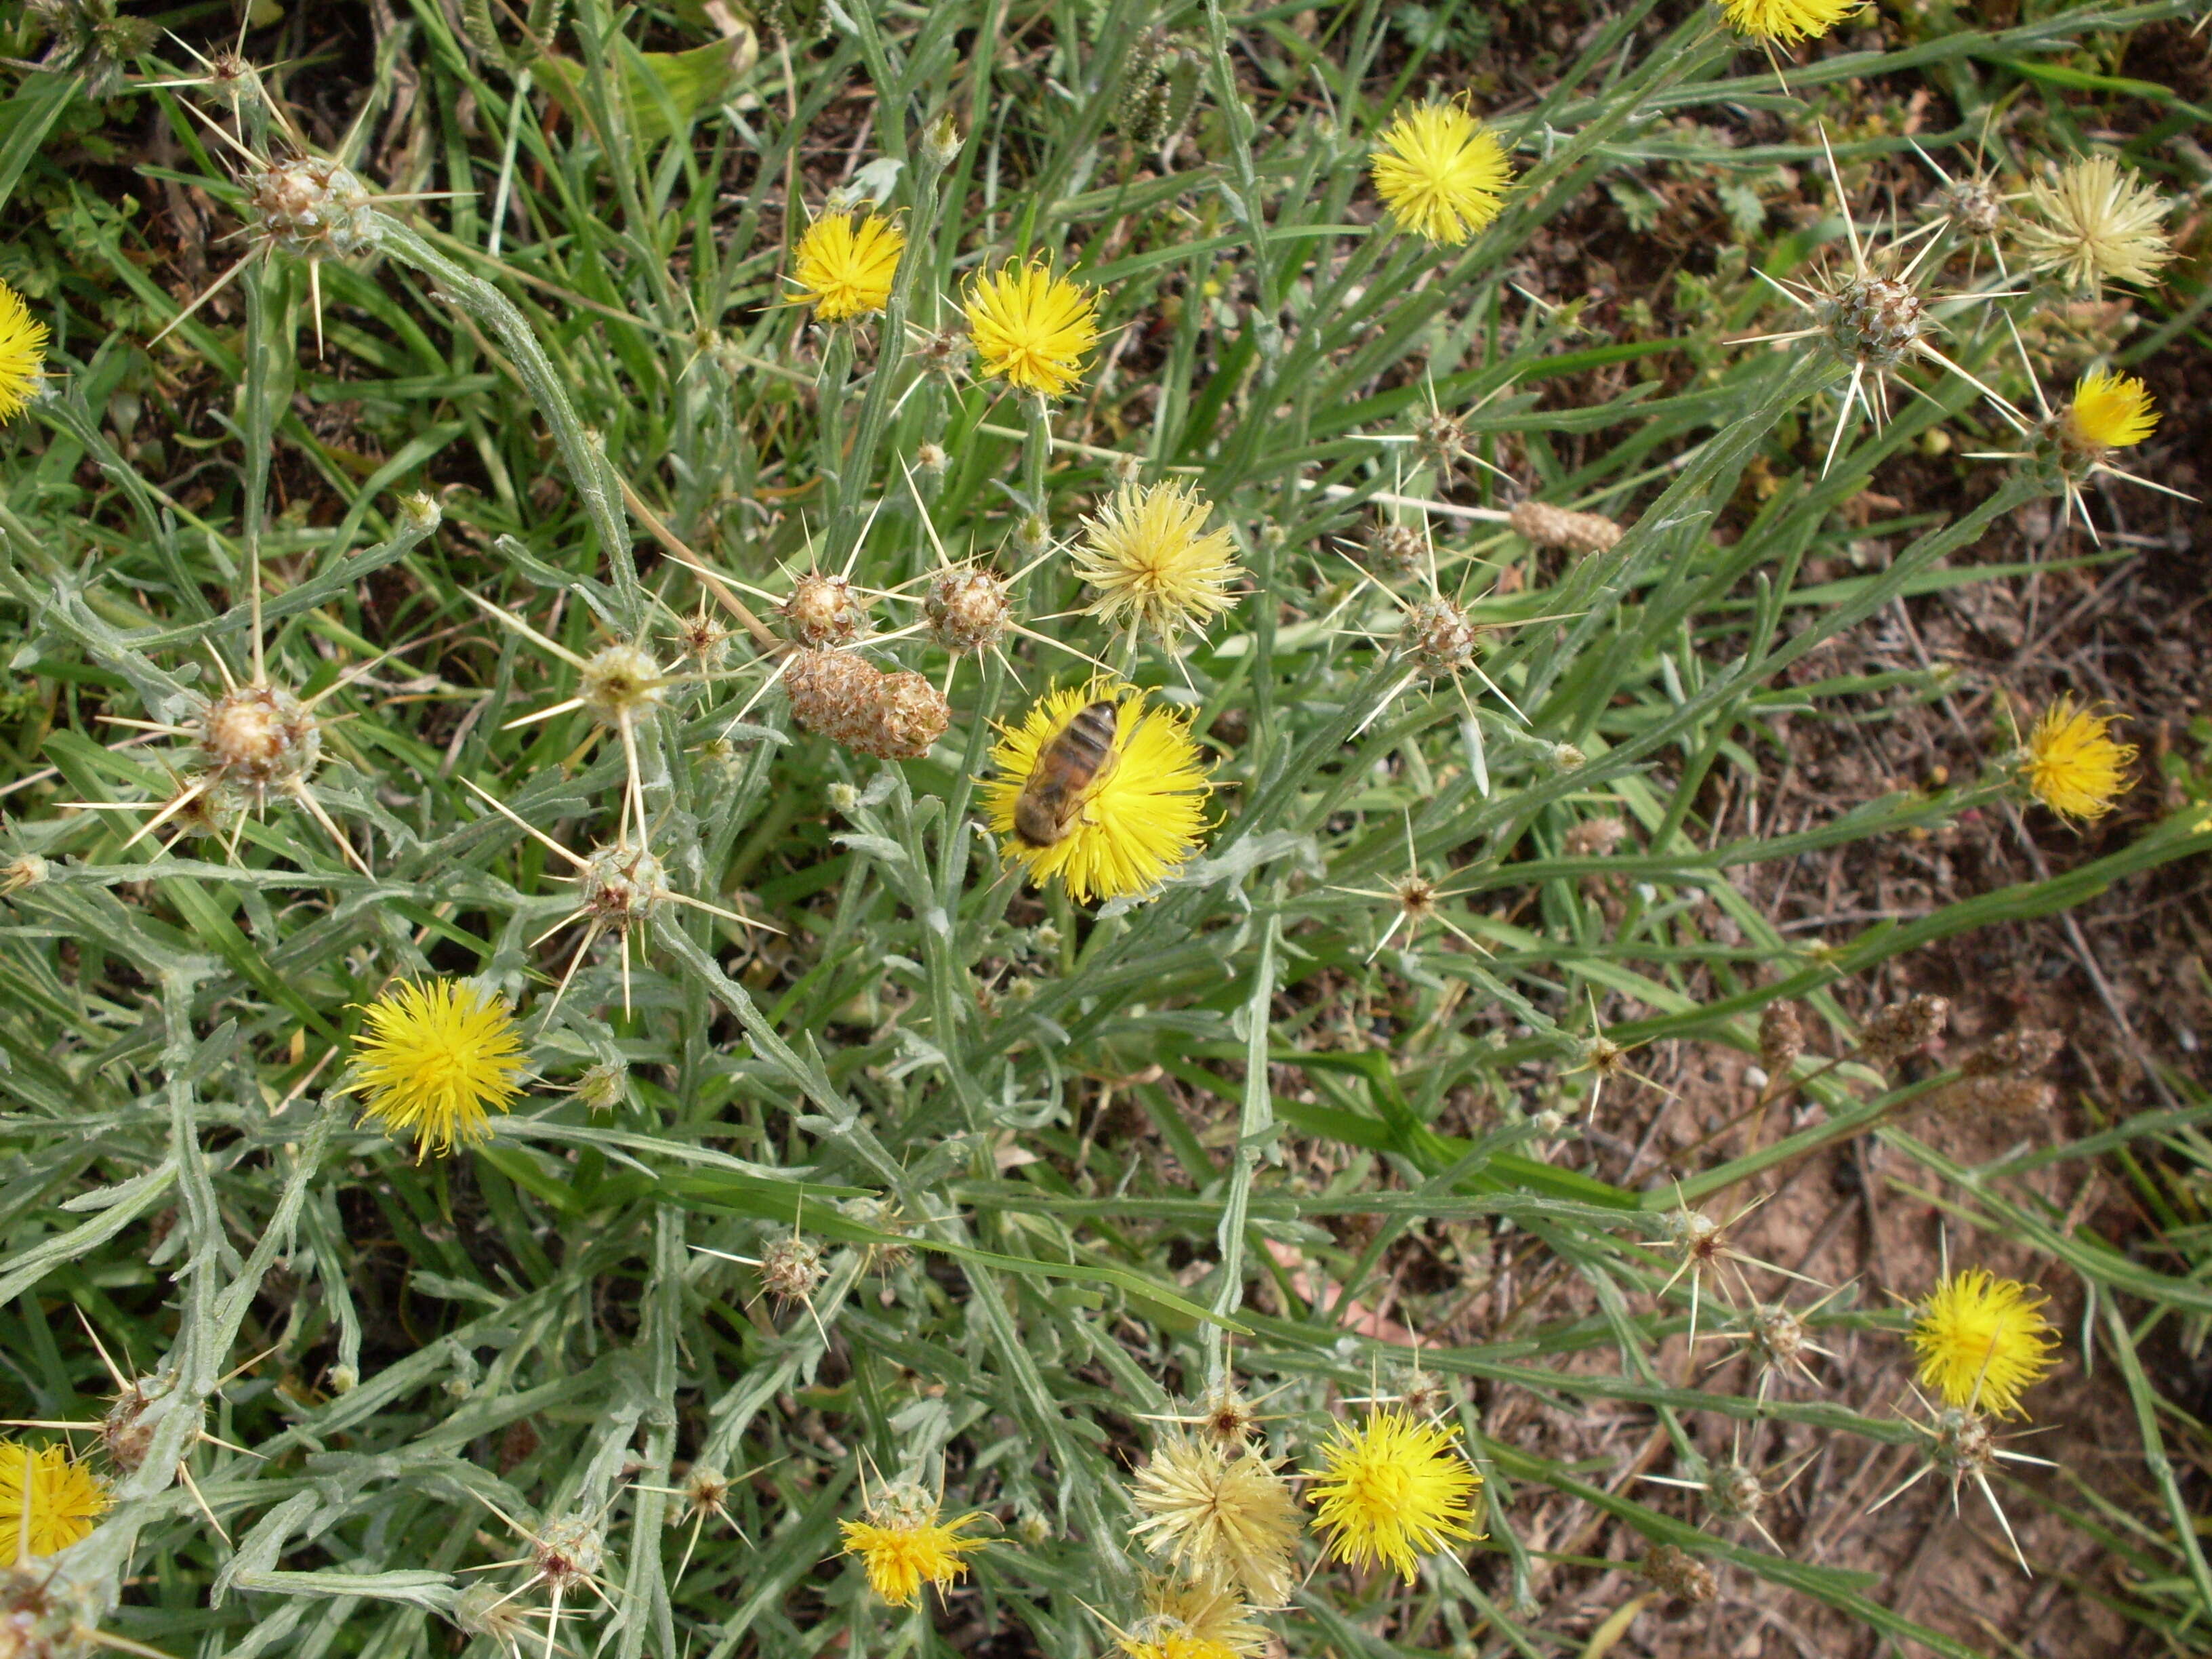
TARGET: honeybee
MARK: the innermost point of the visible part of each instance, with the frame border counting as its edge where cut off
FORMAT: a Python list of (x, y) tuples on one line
[(1073, 767)]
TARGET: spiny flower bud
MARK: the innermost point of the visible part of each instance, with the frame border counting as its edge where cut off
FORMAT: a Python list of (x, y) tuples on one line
[(485, 1609), (623, 885), (258, 737), (824, 611), (1873, 320), (1735, 1491), (1680, 1574), (1903, 1028), (850, 700), (2017, 1052), (791, 1269), (1546, 525), (603, 1086), (423, 512), (1439, 635), (967, 609), (311, 206), (46, 1615), (1394, 548), (940, 142), (1973, 205), (621, 684), (26, 869), (568, 1551), (931, 459), (1439, 441), (1781, 1038)]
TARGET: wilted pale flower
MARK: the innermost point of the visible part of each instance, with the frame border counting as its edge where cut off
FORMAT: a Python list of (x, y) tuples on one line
[(2093, 222), (1152, 563), (1983, 1340), (845, 265), (1032, 327), (1441, 173), (1222, 1512)]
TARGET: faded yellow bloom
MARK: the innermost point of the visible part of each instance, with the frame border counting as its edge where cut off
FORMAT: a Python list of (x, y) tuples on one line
[(65, 1498), (438, 1053), (1786, 20), (1225, 1515), (1441, 173), (1032, 327), (903, 1545), (845, 265), (1982, 1341), (2110, 412), (2093, 222), (2072, 766), (22, 354), (1392, 1490), (1154, 563)]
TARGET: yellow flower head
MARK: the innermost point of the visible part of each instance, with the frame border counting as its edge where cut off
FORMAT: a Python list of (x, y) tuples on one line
[(1207, 1612), (1109, 817), (1229, 1516), (2092, 223), (1174, 1643), (1441, 173), (845, 264), (1786, 20), (22, 354), (2110, 412), (1145, 553), (1392, 1489), (2072, 766), (65, 1499), (1982, 1341), (1032, 327), (437, 1055), (903, 1544)]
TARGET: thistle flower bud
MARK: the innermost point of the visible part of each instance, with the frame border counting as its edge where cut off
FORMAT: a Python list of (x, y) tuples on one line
[(604, 1086), (1565, 757), (26, 869), (620, 684), (943, 353), (485, 1609), (966, 609), (45, 1614), (931, 459), (2016, 1053), (259, 737), (1974, 206), (1680, 1574), (850, 700), (423, 512), (1394, 548), (1546, 525), (568, 1551), (1902, 1028), (1439, 635), (824, 611), (623, 885), (791, 1269), (940, 142), (1781, 1038), (1735, 1492), (311, 206), (1873, 320)]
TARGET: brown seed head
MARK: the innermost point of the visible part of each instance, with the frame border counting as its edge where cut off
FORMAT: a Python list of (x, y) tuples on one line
[(1781, 1038), (1998, 1096), (259, 737), (1903, 1028), (1545, 526), (2018, 1052), (852, 702), (791, 1269), (1680, 1574), (1594, 838), (966, 609)]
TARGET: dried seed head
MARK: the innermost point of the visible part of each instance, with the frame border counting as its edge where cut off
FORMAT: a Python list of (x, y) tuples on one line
[(621, 684), (1997, 1096), (1546, 525), (568, 1551), (823, 611), (966, 607), (1973, 206), (26, 870), (704, 640), (1439, 635), (1735, 1491), (259, 737), (1680, 1574), (1394, 549), (931, 459), (623, 885), (1226, 1418), (706, 1489), (852, 702), (311, 206), (1781, 1037), (1872, 320), (2018, 1052), (791, 1269), (1594, 838), (1902, 1029)]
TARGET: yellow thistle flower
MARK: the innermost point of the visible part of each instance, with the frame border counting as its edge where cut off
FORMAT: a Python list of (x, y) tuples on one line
[(1145, 554), (65, 1499), (1786, 20), (2093, 222), (1176, 1644), (1207, 1611), (1441, 173), (845, 264), (2110, 412), (22, 354), (1982, 1341), (903, 1544), (2072, 767), (1226, 1516), (1392, 1489), (437, 1055), (1116, 827), (1032, 327)]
